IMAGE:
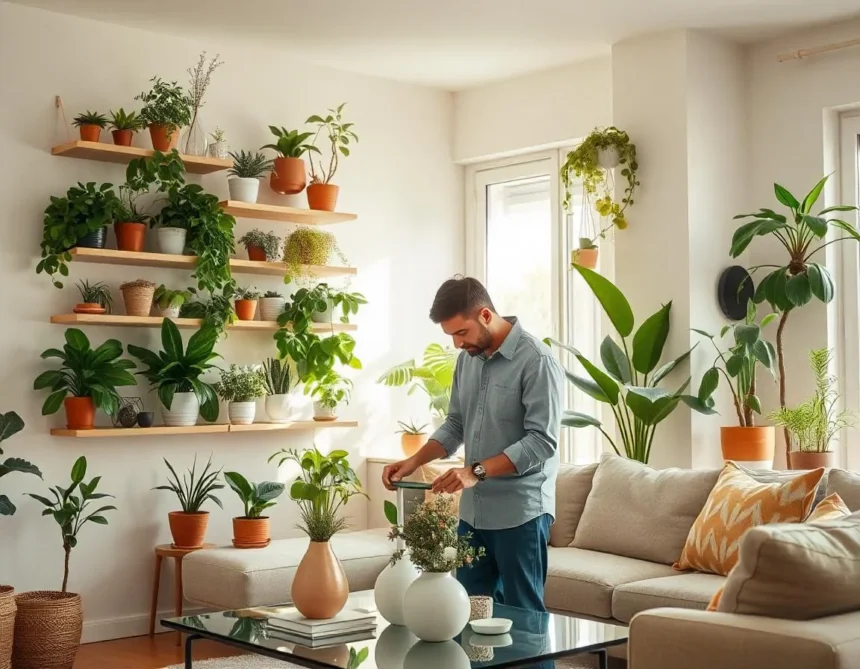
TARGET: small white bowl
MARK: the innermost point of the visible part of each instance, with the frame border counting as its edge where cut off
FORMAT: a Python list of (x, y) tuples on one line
[(487, 641), (491, 626)]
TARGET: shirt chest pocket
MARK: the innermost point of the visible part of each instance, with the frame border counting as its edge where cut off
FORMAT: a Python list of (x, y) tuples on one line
[(506, 403)]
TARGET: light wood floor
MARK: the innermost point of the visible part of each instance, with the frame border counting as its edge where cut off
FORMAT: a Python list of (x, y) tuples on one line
[(143, 652)]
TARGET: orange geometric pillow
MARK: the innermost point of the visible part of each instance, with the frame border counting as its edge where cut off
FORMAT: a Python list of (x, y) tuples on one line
[(737, 503)]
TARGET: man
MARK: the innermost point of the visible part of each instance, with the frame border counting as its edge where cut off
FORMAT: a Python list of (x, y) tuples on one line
[(506, 405)]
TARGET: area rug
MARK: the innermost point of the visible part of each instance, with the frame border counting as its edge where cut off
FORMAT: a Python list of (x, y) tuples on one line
[(252, 662)]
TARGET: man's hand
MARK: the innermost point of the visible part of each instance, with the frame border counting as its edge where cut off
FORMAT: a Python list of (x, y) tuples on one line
[(396, 471), (455, 480)]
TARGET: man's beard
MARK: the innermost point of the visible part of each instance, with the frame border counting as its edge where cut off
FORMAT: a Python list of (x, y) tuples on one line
[(485, 340)]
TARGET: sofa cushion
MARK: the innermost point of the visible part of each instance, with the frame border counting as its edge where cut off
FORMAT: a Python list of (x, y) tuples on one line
[(847, 485), (831, 508), (572, 488), (639, 512), (581, 581), (685, 591), (230, 578), (798, 571)]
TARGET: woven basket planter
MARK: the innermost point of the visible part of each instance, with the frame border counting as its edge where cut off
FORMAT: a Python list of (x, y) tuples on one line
[(48, 629), (7, 624), (138, 298)]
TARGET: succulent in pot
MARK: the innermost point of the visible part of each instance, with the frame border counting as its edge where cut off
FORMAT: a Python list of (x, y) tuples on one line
[(272, 305), (251, 530), (188, 526), (244, 177), (412, 437), (87, 379), (331, 128), (329, 392), (169, 302), (166, 109), (280, 379), (262, 246), (288, 169), (137, 296), (175, 373), (90, 124), (218, 146), (241, 386), (124, 126), (246, 303), (95, 298)]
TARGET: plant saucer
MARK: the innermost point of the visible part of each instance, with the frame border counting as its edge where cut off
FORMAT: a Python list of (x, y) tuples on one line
[(88, 308), (261, 544)]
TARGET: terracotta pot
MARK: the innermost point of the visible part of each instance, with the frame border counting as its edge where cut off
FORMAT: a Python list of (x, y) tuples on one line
[(188, 529), (246, 309), (323, 197), (122, 137), (130, 236), (90, 133), (288, 176), (86, 308), (412, 443), (161, 140), (251, 532), (257, 253), (7, 624), (752, 447), (319, 588), (80, 413), (811, 460), (48, 627), (584, 257)]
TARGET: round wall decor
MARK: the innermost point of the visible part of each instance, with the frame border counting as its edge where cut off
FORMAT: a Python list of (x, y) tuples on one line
[(734, 290)]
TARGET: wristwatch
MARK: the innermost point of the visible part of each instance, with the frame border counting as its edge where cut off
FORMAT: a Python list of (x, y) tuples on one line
[(479, 471)]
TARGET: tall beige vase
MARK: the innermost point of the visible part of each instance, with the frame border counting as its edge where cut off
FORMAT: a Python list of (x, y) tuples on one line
[(319, 587)]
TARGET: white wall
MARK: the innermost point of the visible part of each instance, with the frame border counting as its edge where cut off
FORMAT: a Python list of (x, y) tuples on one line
[(409, 237)]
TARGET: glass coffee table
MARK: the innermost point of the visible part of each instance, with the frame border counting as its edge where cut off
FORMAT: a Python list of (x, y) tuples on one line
[(536, 640)]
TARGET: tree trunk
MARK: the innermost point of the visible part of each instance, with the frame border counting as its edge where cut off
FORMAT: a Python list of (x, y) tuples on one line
[(780, 356), (68, 550), (749, 414)]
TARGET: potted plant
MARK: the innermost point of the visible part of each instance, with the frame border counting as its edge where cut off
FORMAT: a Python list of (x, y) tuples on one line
[(248, 168), (216, 311), (218, 147), (168, 302), (251, 530), (137, 296), (10, 425), (306, 248), (49, 623), (176, 374), (280, 380), (90, 125), (329, 392), (188, 526), (78, 219), (246, 303), (813, 425), (123, 126), (592, 162), (334, 299), (746, 442), (130, 226), (794, 284), (324, 485), (166, 109), (271, 305), (262, 246), (288, 172), (199, 78), (322, 194), (87, 379), (95, 298), (436, 606), (630, 382), (412, 437), (241, 386)]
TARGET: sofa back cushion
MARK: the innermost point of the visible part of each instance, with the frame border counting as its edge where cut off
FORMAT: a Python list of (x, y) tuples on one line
[(641, 512), (846, 485), (572, 488), (799, 571), (830, 508)]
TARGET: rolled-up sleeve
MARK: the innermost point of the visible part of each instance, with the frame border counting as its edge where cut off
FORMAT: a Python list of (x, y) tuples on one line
[(450, 434), (543, 389)]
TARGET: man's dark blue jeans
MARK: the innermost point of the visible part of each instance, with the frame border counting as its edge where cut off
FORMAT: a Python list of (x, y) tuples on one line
[(513, 572)]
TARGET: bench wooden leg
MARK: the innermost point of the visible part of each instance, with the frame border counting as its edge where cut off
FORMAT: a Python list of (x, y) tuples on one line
[(178, 595), (153, 610)]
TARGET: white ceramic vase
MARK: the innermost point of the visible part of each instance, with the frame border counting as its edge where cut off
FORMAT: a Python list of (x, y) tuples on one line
[(183, 411), (392, 646), (324, 413), (242, 413), (168, 312), (436, 607), (324, 316), (171, 240), (279, 408), (244, 189), (390, 588), (608, 158), (271, 308), (436, 656)]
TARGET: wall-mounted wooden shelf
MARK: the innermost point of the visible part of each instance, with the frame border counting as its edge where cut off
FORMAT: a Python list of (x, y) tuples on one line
[(214, 428), (111, 153), (155, 322), (170, 261), (270, 212)]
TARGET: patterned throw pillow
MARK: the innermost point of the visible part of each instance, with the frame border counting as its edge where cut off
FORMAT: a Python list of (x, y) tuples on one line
[(737, 503)]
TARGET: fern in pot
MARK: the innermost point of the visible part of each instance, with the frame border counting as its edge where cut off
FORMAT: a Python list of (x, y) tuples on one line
[(244, 177), (241, 386), (280, 379), (272, 305)]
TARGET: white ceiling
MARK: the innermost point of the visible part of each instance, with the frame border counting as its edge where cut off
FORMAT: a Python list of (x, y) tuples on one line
[(452, 44)]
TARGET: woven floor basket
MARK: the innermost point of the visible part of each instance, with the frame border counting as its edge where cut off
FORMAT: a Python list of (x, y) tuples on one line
[(7, 624), (138, 300), (48, 629)]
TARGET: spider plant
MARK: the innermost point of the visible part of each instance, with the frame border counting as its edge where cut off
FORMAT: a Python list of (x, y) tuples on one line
[(96, 293), (193, 490)]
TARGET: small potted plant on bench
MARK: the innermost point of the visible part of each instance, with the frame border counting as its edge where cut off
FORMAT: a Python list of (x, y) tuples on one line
[(251, 530), (188, 526)]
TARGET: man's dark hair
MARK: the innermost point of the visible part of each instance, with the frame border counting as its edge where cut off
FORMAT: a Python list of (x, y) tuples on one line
[(461, 295)]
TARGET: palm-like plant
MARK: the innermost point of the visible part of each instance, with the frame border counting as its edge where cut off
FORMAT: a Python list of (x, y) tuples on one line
[(193, 491), (10, 424), (290, 143), (435, 376)]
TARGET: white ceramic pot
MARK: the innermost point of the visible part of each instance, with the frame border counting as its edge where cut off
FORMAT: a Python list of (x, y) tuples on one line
[(391, 586), (279, 408), (183, 411), (436, 607), (392, 646), (219, 150), (324, 316), (271, 308), (244, 189), (242, 413), (324, 413), (171, 240), (168, 312), (608, 158), (436, 655)]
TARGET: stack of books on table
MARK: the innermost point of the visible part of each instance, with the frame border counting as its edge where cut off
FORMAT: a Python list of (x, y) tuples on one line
[(347, 626)]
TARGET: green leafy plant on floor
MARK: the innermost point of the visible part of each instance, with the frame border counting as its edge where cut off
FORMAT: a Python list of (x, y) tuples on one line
[(191, 490), (290, 143), (166, 104), (90, 118), (248, 165), (10, 425), (435, 376), (630, 382), (96, 293), (70, 509), (216, 310), (241, 384), (256, 497), (120, 120), (339, 135)]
